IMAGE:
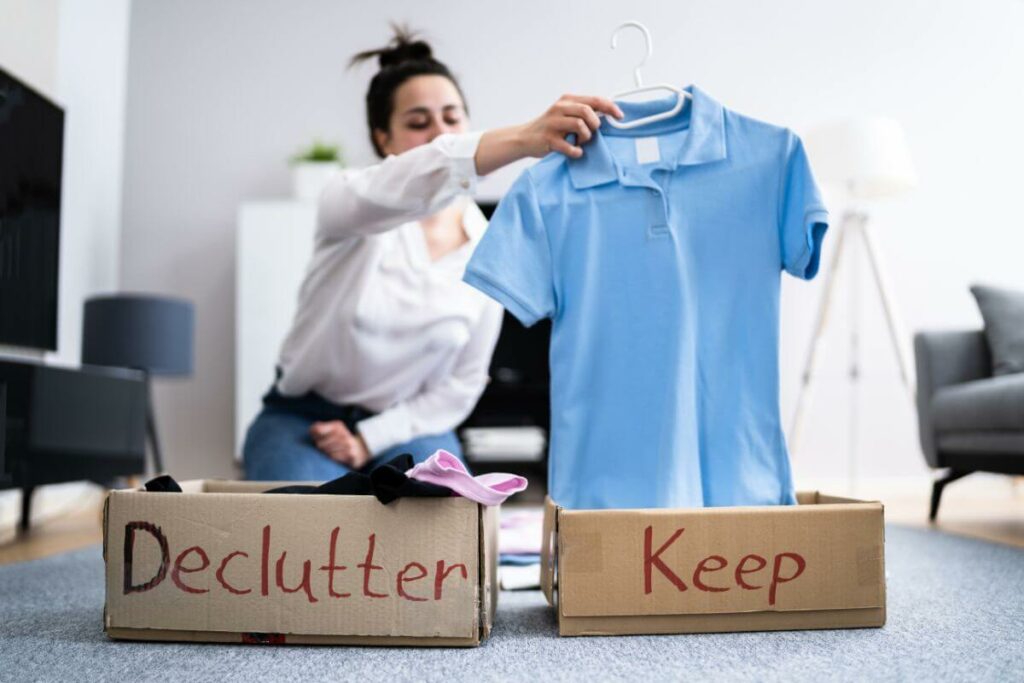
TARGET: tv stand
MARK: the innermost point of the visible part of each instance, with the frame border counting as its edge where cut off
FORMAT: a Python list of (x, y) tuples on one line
[(64, 424)]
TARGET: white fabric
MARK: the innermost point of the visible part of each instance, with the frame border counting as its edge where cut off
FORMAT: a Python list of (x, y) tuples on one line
[(379, 324)]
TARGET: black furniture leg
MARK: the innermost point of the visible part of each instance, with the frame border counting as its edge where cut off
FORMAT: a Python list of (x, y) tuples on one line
[(941, 484), (26, 508), (158, 460)]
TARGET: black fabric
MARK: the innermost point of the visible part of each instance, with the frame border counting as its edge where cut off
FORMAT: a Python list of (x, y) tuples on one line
[(352, 484), (294, 488), (315, 407), (163, 484), (388, 482)]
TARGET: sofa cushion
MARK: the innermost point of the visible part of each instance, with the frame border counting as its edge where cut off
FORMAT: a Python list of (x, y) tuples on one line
[(1003, 313), (992, 404)]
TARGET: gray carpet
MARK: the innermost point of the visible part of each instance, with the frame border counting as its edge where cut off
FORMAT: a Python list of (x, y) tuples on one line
[(956, 612)]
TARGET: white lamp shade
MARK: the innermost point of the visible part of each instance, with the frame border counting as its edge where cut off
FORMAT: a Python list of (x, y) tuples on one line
[(868, 158)]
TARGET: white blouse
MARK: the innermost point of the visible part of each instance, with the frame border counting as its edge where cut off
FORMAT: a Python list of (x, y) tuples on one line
[(381, 325)]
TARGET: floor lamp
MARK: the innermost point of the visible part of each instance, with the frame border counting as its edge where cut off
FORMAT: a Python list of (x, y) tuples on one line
[(149, 333), (867, 159)]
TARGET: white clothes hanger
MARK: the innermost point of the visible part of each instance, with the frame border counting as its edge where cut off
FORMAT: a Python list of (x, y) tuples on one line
[(681, 94)]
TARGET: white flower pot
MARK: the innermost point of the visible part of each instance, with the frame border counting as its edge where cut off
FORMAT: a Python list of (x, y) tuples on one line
[(309, 178)]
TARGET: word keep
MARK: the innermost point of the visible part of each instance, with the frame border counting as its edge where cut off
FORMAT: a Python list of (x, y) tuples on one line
[(742, 574)]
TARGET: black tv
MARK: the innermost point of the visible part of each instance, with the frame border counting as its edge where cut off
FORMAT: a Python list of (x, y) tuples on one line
[(31, 160)]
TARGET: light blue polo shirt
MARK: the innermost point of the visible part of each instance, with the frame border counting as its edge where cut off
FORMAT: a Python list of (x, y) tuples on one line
[(661, 277)]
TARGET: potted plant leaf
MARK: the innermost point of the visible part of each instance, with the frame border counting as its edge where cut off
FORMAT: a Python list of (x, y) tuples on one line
[(313, 167)]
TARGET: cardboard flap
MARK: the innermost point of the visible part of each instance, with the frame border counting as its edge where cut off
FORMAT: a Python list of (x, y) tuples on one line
[(719, 560), (548, 545), (489, 528)]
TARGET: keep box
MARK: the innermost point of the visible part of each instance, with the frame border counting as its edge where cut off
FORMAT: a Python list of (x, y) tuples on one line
[(818, 564), (224, 562)]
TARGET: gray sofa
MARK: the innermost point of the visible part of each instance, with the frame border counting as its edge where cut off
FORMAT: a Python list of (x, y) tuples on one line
[(969, 420)]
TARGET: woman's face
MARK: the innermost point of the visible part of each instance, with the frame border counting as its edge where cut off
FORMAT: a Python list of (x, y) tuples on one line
[(425, 107)]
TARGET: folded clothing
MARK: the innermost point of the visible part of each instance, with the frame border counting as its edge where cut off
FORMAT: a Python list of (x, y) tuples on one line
[(386, 482), (521, 531), (391, 481), (441, 475), (444, 469)]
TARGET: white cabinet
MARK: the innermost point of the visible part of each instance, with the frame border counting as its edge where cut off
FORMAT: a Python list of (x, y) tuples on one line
[(274, 242)]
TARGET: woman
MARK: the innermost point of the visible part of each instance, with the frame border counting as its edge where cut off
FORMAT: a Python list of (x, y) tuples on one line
[(389, 349)]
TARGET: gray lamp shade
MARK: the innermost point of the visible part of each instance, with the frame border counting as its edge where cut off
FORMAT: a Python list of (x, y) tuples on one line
[(150, 333)]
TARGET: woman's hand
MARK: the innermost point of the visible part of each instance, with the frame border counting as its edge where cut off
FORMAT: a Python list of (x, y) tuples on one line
[(336, 442), (571, 114)]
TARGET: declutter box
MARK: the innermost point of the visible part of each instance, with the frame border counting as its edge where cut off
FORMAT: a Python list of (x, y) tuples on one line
[(224, 562), (817, 564)]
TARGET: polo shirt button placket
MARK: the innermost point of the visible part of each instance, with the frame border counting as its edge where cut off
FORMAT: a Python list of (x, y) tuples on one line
[(659, 226)]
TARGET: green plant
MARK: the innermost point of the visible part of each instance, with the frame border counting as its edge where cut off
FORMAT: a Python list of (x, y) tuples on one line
[(318, 151)]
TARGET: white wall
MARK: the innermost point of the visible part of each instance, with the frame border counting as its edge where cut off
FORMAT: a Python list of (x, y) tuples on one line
[(28, 41), (76, 53), (92, 59), (221, 93)]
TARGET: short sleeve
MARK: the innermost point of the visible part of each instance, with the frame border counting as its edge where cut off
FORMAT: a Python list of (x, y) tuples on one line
[(512, 261), (803, 218)]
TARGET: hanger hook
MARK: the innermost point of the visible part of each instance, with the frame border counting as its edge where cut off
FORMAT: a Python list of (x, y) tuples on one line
[(647, 44)]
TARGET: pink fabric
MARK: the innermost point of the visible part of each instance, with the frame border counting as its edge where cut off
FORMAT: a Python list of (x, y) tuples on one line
[(445, 469)]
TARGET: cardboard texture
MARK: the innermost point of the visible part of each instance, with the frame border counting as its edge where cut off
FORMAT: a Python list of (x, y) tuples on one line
[(222, 562), (818, 564)]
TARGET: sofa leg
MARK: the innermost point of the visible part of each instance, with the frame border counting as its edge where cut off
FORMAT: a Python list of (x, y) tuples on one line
[(26, 508), (937, 490)]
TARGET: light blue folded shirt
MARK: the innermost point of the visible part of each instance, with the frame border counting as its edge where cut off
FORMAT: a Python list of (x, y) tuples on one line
[(657, 255)]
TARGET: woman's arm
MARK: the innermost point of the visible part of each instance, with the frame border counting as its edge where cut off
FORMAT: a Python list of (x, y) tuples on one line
[(402, 188), (422, 181), (445, 404)]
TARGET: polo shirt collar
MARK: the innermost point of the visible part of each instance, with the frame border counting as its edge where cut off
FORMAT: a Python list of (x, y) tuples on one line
[(705, 142)]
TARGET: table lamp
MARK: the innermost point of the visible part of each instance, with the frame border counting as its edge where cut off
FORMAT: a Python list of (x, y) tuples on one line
[(864, 160), (149, 333)]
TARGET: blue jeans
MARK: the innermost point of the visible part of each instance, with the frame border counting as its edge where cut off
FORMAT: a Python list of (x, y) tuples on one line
[(278, 446)]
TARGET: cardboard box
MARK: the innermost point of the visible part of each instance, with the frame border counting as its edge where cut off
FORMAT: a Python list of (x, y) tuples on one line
[(223, 562), (818, 564)]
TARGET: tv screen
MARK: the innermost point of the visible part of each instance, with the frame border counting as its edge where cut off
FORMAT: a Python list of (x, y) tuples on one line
[(31, 154)]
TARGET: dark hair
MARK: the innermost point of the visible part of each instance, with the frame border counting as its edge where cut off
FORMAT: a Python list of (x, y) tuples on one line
[(403, 58)]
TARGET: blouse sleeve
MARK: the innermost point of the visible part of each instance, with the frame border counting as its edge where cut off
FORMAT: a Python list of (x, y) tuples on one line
[(401, 188)]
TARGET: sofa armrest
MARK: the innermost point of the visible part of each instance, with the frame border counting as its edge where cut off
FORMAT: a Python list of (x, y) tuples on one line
[(943, 359)]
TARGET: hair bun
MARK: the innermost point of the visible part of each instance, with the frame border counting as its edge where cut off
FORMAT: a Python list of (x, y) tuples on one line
[(405, 51), (404, 47)]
